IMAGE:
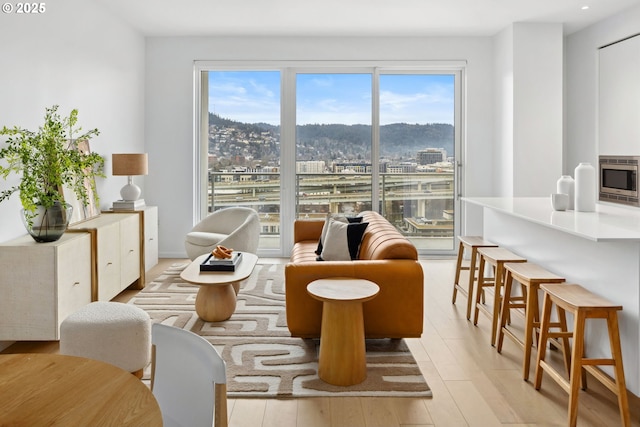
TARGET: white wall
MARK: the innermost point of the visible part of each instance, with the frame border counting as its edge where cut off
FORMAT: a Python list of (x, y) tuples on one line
[(169, 105), (502, 177), (581, 88), (537, 120), (76, 55), (528, 140)]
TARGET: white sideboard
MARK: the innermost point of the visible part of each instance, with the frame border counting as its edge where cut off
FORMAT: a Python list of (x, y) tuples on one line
[(95, 260), (41, 284)]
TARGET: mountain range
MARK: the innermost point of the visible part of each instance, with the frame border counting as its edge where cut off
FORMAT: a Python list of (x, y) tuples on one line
[(398, 141)]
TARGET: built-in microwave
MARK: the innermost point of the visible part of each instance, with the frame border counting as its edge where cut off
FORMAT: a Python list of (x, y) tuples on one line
[(619, 179)]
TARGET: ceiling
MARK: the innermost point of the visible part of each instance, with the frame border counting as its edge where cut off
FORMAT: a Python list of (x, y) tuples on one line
[(354, 17)]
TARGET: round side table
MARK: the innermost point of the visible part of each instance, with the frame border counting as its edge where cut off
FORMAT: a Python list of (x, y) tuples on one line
[(342, 359)]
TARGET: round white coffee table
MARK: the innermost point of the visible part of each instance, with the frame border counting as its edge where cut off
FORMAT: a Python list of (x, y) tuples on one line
[(342, 358), (216, 298)]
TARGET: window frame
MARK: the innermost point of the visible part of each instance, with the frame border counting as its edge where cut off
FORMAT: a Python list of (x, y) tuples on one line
[(288, 71)]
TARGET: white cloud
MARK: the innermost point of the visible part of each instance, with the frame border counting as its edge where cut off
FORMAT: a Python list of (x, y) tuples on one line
[(228, 87), (261, 89)]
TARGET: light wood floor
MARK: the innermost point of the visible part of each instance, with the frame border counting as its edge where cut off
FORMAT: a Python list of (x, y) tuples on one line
[(472, 384)]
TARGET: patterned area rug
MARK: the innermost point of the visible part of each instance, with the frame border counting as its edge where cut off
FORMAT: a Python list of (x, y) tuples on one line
[(262, 359)]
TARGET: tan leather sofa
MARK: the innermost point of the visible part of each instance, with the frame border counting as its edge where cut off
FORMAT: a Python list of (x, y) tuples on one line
[(386, 258)]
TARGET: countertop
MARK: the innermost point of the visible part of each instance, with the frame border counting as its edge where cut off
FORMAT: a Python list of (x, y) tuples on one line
[(608, 223)]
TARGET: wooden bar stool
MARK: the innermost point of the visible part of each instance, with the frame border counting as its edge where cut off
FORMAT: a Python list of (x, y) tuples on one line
[(583, 305), (496, 257), (530, 276), (468, 243)]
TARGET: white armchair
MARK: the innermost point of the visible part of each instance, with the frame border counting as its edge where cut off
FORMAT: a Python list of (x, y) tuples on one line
[(236, 227)]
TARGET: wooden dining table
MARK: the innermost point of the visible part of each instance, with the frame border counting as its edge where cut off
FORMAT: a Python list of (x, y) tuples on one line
[(38, 389)]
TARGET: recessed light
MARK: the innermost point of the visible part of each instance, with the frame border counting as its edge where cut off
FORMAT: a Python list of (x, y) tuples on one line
[(585, 7)]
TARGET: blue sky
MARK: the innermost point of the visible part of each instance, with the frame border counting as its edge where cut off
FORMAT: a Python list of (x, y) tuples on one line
[(254, 96)]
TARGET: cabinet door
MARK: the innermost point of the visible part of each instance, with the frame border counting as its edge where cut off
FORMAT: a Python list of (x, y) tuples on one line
[(73, 272), (619, 98), (108, 260), (151, 237), (129, 250)]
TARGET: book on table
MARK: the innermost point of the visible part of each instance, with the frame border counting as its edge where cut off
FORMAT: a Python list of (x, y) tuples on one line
[(211, 263), (128, 205)]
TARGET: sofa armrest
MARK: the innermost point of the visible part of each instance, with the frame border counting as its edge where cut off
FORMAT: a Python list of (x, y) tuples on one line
[(307, 229)]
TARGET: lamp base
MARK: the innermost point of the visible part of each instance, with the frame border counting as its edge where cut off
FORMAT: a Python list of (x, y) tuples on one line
[(130, 192)]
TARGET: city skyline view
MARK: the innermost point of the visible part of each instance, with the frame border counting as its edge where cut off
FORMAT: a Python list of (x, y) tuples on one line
[(328, 98)]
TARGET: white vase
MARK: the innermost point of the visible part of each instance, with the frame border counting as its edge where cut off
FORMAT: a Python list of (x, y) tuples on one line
[(585, 188), (566, 185)]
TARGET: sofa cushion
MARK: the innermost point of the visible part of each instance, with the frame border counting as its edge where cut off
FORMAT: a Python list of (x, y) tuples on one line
[(342, 241), (325, 228), (382, 240)]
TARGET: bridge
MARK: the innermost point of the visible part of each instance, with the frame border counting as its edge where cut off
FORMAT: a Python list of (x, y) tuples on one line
[(417, 203)]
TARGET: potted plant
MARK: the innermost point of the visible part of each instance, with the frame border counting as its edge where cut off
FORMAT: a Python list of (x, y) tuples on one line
[(49, 160)]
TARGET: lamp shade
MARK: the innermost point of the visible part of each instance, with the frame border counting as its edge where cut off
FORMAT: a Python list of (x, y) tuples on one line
[(129, 164)]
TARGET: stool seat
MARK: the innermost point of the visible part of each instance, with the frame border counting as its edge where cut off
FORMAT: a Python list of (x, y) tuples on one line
[(530, 276), (467, 243), (532, 273), (583, 305), (577, 297), (112, 332), (496, 257)]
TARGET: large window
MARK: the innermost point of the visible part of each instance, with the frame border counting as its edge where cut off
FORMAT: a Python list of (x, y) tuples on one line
[(299, 142), (333, 143)]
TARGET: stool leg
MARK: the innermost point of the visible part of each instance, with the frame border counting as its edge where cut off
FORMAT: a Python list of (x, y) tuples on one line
[(504, 309), (542, 343), (535, 307), (496, 301), (566, 352), (530, 320), (616, 352), (479, 291), (575, 376), (472, 278), (457, 278)]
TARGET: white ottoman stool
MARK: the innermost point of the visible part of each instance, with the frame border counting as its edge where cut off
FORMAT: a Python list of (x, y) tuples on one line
[(112, 332)]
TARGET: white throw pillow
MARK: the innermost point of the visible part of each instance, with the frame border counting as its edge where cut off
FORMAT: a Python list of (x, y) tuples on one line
[(325, 227), (342, 241)]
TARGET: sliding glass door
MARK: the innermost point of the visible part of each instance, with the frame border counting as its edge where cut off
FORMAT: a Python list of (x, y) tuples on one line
[(299, 142), (243, 146), (417, 156)]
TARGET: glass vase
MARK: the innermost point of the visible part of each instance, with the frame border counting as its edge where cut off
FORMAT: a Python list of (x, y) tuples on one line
[(47, 224)]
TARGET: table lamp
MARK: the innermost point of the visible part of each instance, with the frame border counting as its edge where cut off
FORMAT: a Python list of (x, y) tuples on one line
[(129, 165)]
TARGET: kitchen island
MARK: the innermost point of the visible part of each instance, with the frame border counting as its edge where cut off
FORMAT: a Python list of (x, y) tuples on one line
[(599, 250)]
